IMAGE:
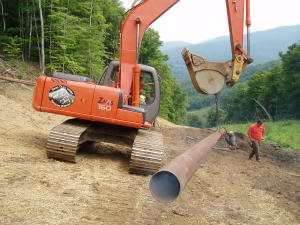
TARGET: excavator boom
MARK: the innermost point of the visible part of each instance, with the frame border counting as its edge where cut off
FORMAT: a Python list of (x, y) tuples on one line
[(209, 77), (141, 16)]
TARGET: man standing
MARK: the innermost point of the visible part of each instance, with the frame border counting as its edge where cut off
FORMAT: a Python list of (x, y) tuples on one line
[(256, 133)]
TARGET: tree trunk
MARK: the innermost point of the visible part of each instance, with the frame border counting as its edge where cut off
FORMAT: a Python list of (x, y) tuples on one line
[(37, 35), (265, 110), (26, 29), (65, 34), (30, 34), (3, 18), (90, 57), (50, 37), (42, 38), (21, 31), (217, 110)]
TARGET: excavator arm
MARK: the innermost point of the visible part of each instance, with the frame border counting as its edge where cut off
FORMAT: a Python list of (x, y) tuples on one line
[(209, 77), (142, 15), (138, 19), (240, 58)]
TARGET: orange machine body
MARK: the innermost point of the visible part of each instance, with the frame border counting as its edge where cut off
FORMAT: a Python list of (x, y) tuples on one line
[(84, 100), (120, 103)]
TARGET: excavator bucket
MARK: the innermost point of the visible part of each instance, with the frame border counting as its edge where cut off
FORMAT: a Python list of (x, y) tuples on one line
[(207, 77)]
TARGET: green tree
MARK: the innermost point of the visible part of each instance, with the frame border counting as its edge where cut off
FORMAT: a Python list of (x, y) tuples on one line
[(80, 36), (238, 105), (12, 47), (291, 79), (211, 118), (173, 99), (194, 120), (77, 37)]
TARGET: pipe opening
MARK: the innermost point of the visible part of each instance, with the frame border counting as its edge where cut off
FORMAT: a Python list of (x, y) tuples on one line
[(164, 186)]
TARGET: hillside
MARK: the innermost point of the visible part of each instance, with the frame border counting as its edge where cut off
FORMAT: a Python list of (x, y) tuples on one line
[(227, 189), (265, 46)]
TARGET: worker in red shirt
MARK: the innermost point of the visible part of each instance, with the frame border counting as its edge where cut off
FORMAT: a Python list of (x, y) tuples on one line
[(256, 134)]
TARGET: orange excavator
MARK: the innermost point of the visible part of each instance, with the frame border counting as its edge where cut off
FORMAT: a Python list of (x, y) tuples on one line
[(115, 109)]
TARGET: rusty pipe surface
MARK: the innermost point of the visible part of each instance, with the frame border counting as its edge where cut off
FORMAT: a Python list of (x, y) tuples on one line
[(167, 183)]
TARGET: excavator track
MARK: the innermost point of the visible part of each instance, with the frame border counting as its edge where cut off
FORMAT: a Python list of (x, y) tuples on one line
[(147, 152), (65, 139)]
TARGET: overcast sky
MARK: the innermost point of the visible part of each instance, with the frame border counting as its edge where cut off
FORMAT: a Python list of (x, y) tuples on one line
[(200, 20)]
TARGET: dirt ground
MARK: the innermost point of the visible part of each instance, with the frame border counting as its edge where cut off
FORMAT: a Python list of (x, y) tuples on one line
[(227, 189)]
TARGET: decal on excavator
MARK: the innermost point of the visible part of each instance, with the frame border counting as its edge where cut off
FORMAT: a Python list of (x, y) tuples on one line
[(61, 96), (104, 104)]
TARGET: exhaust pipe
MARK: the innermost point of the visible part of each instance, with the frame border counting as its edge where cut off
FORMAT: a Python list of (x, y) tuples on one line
[(167, 183)]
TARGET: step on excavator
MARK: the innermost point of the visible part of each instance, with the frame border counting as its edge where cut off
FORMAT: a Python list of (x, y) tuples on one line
[(115, 109)]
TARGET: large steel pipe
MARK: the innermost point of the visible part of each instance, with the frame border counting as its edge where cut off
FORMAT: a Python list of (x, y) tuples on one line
[(167, 183)]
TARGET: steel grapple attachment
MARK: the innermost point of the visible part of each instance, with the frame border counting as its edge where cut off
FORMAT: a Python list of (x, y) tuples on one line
[(207, 77)]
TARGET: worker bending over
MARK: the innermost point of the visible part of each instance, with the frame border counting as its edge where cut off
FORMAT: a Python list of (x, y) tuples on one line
[(231, 140)]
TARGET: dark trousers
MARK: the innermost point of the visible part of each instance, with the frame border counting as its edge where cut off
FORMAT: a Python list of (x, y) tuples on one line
[(255, 150)]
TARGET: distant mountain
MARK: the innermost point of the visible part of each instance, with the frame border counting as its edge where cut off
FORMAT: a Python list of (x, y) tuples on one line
[(265, 46), (174, 44)]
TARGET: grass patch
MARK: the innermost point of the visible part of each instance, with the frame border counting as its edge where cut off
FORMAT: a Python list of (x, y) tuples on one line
[(284, 133)]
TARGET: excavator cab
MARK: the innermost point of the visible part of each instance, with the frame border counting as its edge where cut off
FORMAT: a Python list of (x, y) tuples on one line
[(149, 87)]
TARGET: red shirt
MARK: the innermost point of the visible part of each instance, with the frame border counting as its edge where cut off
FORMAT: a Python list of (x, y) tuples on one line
[(256, 132)]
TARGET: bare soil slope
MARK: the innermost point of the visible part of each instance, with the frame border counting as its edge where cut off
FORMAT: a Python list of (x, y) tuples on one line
[(227, 189)]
